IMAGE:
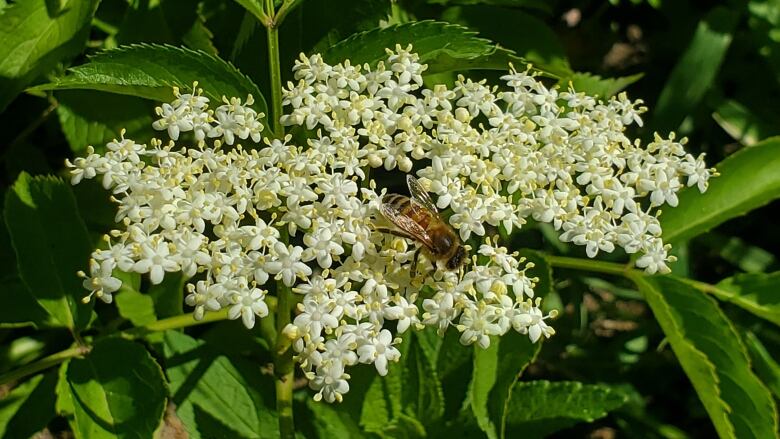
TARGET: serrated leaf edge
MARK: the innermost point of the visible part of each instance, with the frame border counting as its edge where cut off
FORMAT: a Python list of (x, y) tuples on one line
[(725, 408)]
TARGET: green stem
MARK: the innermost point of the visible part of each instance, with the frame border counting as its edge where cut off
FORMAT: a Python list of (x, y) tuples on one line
[(630, 273), (276, 81), (590, 265), (43, 363), (284, 367), (176, 322)]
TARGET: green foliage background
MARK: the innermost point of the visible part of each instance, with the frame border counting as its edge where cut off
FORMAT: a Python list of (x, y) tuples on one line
[(692, 355)]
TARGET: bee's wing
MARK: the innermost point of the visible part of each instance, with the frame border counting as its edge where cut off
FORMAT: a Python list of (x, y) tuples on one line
[(406, 224), (419, 195)]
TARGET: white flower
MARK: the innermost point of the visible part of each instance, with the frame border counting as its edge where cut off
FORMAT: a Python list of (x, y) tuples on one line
[(477, 325), (155, 259), (321, 245), (203, 297), (100, 281), (490, 155), (439, 311), (379, 350), (655, 257), (404, 312), (287, 264), (330, 381), (248, 303), (530, 320), (316, 316)]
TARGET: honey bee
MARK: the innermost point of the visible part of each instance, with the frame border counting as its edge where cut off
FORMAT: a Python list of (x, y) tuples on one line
[(417, 219)]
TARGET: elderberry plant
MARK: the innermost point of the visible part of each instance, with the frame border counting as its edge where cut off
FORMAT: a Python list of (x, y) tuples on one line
[(232, 209)]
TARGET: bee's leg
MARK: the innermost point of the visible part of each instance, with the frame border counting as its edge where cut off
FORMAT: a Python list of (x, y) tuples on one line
[(413, 268)]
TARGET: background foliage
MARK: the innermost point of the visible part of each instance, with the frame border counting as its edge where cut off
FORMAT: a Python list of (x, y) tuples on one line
[(689, 355)]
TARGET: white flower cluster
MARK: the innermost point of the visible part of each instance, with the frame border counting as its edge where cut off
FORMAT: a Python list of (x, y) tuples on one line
[(499, 157), (233, 219), (190, 112)]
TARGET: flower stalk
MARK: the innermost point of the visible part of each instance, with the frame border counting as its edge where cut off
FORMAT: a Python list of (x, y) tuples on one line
[(43, 364), (176, 322), (284, 367), (276, 80)]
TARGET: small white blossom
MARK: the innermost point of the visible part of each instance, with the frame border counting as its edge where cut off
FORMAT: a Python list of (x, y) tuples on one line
[(232, 218)]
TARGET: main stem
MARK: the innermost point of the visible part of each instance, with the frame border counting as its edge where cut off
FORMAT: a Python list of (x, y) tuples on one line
[(276, 81), (284, 367), (283, 359)]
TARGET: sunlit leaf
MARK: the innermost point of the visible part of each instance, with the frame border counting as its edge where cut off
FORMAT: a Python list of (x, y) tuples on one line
[(538, 408), (51, 245), (728, 195), (28, 407), (216, 396), (118, 391), (35, 35), (755, 292), (595, 85), (151, 70), (742, 124), (765, 366), (443, 46), (712, 355), (94, 118)]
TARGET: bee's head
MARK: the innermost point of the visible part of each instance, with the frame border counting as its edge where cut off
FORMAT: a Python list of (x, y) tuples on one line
[(457, 259)]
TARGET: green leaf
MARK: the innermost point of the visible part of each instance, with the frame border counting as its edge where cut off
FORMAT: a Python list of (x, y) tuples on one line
[(165, 22), (200, 37), (756, 293), (118, 391), (51, 245), (394, 398), (331, 421), (151, 70), (323, 23), (443, 46), (595, 85), (376, 412), (521, 32), (496, 370), (254, 7), (541, 5), (696, 69), (515, 353), (538, 408), (764, 20), (728, 196), (64, 405), (36, 34), (22, 309), (29, 407), (136, 307), (216, 396), (742, 124), (482, 381), (749, 258), (95, 206), (452, 355), (168, 295), (712, 355), (421, 364), (765, 366), (94, 118)]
